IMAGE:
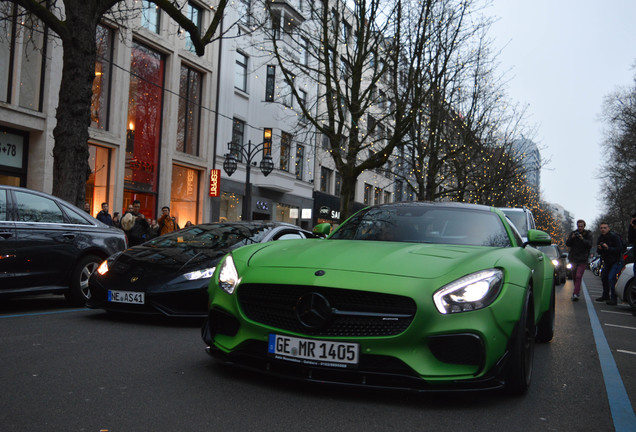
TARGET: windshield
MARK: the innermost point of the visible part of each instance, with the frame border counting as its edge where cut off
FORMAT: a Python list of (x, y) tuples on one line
[(212, 236), (426, 224)]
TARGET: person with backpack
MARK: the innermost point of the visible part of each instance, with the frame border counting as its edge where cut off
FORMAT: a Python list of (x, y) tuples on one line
[(610, 247)]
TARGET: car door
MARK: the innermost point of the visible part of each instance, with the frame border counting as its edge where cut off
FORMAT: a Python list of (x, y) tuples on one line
[(45, 247), (7, 242)]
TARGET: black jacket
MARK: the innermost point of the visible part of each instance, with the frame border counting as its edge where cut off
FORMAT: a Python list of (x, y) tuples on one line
[(614, 251), (579, 246)]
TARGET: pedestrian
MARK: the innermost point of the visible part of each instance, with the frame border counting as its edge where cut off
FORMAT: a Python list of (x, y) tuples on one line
[(580, 242), (87, 207), (139, 231), (116, 222), (610, 247), (188, 224), (167, 223), (104, 216)]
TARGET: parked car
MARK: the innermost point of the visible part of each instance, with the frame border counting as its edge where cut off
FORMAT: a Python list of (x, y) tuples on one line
[(557, 257), (596, 265), (626, 285), (568, 266), (50, 246), (169, 274), (522, 218), (417, 295)]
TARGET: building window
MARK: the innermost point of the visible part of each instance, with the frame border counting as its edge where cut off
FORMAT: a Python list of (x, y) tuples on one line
[(289, 214), (303, 104), (195, 14), (238, 137), (304, 52), (184, 194), (267, 142), (368, 192), (285, 148), (143, 137), (150, 16), (22, 58), (287, 97), (300, 161), (270, 83), (387, 197), (377, 196), (189, 114), (100, 101), (240, 77), (338, 185), (244, 8), (325, 179), (325, 142), (398, 190)]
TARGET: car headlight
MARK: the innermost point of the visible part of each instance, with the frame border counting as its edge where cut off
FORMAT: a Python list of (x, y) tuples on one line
[(568, 265), (471, 292), (228, 276), (200, 274), (555, 262), (103, 267)]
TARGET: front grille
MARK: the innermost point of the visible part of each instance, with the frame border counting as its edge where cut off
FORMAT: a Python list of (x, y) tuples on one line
[(354, 313)]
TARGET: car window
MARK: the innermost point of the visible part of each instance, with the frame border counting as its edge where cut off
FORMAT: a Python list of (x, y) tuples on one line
[(34, 208), (288, 235), (550, 251), (76, 216), (3, 205), (519, 220), (426, 224)]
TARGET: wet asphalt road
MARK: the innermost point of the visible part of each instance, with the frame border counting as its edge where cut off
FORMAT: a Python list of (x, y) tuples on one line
[(65, 369)]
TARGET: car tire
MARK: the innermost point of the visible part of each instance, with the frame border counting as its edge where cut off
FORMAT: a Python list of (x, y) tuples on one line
[(545, 328), (630, 294), (557, 280), (521, 359), (79, 292)]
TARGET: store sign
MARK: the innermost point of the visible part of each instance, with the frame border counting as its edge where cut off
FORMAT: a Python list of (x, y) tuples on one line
[(215, 182), (262, 205), (11, 150), (328, 213)]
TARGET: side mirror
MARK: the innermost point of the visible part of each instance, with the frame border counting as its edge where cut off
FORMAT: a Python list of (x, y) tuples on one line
[(322, 229), (538, 238)]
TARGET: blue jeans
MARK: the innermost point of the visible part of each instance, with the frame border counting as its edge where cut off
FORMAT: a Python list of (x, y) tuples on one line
[(608, 277)]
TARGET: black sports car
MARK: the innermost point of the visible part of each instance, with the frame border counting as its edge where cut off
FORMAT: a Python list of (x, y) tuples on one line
[(170, 274)]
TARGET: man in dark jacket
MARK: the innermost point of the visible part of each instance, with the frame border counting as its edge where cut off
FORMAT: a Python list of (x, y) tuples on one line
[(580, 242), (104, 216), (139, 232), (610, 247)]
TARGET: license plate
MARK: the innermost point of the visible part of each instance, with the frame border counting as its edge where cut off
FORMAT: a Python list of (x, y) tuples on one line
[(126, 297), (313, 351)]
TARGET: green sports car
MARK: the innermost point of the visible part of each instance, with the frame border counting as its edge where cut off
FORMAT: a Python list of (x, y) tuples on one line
[(417, 295)]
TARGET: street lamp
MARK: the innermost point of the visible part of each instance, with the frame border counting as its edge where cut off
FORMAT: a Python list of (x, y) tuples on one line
[(266, 166)]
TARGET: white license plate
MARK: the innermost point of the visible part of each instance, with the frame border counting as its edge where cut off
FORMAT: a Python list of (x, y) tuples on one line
[(313, 351), (126, 297)]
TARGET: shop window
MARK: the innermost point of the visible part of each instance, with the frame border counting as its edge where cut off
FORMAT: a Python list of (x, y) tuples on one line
[(143, 136), (189, 111), (368, 192), (377, 196), (100, 101), (231, 205), (286, 213), (184, 195), (97, 185)]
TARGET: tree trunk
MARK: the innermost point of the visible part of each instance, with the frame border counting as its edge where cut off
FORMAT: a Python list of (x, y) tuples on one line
[(70, 165)]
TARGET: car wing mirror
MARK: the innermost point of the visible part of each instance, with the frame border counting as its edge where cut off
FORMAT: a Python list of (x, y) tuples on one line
[(322, 230), (538, 238)]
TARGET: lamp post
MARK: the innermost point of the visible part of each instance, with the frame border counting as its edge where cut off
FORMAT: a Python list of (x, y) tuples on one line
[(266, 166)]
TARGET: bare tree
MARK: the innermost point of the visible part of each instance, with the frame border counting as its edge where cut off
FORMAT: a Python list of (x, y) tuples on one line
[(75, 23)]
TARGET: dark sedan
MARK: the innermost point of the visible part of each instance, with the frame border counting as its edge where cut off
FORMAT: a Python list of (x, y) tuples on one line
[(170, 274), (559, 261), (50, 246)]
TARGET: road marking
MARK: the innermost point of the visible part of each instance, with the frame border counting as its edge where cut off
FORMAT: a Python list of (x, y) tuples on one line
[(620, 406), (44, 313), (620, 326), (615, 312), (626, 352)]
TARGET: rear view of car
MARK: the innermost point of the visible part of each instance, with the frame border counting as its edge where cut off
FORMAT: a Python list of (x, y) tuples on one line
[(49, 245)]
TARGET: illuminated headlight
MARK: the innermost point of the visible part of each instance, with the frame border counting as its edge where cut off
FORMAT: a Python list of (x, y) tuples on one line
[(200, 274), (568, 266), (471, 292), (103, 267), (555, 262), (228, 276)]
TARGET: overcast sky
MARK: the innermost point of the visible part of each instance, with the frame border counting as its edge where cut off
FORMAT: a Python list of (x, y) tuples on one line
[(565, 57)]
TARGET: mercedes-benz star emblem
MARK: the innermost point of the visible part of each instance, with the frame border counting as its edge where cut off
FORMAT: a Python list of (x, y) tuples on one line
[(313, 310)]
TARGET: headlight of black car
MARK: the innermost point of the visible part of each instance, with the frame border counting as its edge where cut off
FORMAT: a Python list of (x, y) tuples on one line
[(103, 267)]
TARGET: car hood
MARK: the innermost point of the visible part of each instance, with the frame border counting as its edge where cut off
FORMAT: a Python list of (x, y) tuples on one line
[(404, 259), (170, 260)]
